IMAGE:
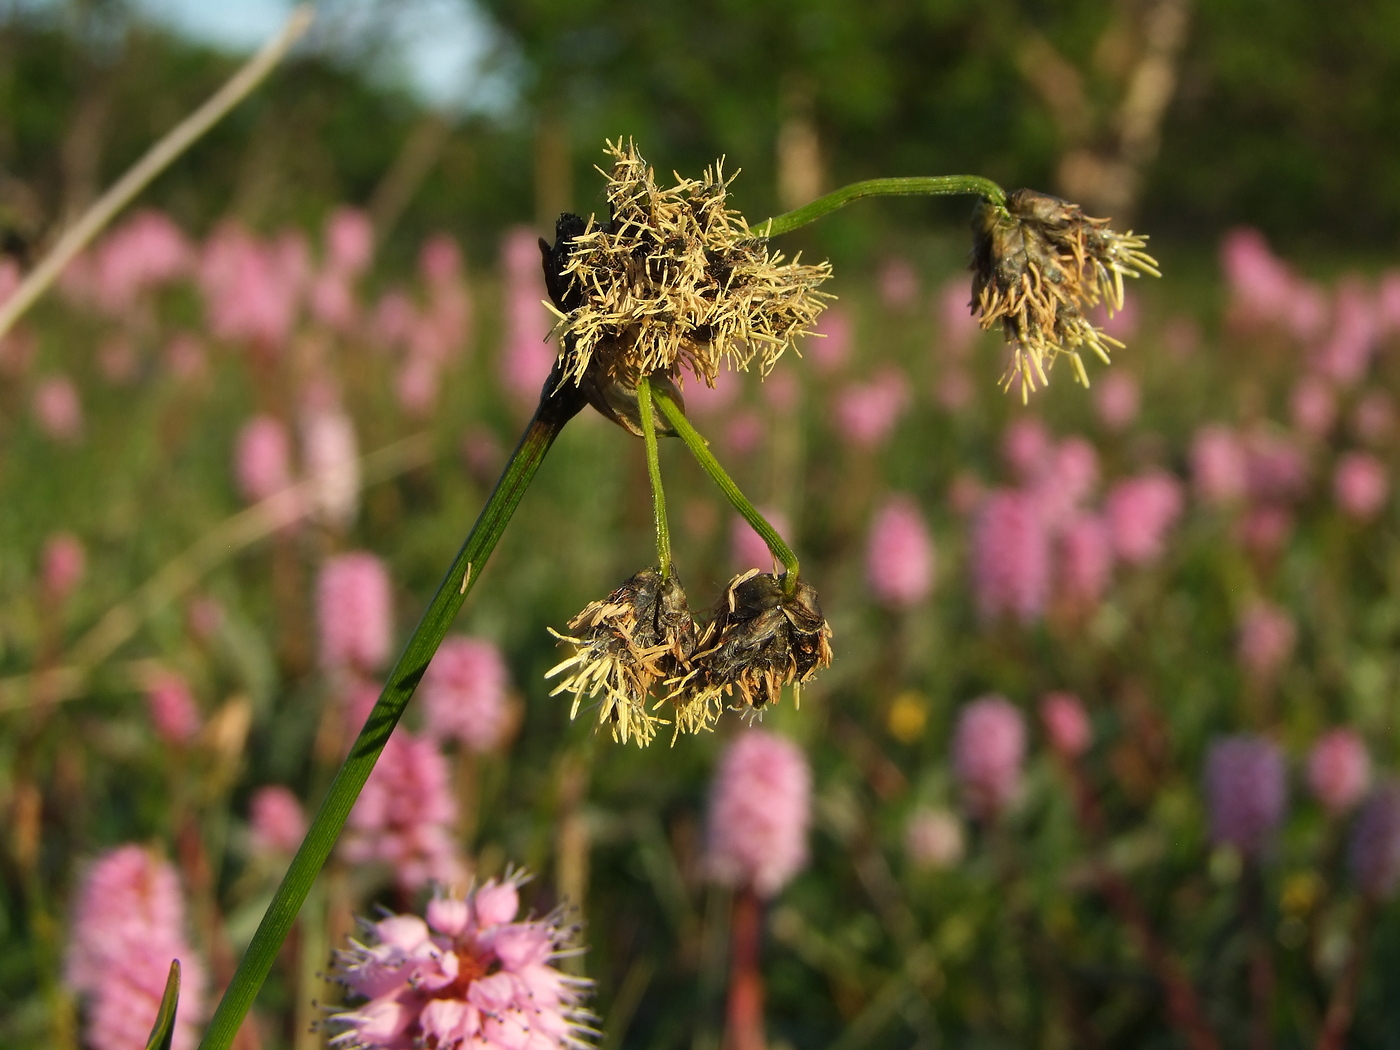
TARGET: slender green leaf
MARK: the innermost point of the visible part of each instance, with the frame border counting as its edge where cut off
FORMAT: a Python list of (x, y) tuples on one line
[(163, 1032)]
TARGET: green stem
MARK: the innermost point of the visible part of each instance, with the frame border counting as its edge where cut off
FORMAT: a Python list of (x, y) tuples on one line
[(658, 495), (558, 404), (701, 451), (921, 186)]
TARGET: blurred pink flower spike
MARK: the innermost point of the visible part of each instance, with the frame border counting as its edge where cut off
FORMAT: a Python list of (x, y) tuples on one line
[(276, 821), (465, 695), (760, 809), (1010, 557), (1339, 770), (1361, 485), (989, 747), (899, 559), (354, 612), (174, 713), (62, 565), (1246, 792), (1067, 725)]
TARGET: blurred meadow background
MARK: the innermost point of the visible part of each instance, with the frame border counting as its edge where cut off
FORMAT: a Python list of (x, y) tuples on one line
[(1105, 755)]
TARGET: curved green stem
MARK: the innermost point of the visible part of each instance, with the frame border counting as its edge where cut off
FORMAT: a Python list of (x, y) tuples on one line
[(701, 451), (558, 404), (658, 494), (918, 186)]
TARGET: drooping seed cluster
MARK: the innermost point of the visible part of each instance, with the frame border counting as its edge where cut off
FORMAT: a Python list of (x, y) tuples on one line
[(675, 278), (1038, 264), (640, 650)]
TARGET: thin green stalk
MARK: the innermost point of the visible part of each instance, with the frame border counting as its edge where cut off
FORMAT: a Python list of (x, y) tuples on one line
[(658, 494), (919, 186), (557, 406), (701, 451)]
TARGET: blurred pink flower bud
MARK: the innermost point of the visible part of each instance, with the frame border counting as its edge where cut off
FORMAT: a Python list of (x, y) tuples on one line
[(1265, 530), (128, 923), (331, 462), (1275, 467), (1375, 842), (276, 821), (933, 838), (263, 458), (1246, 791), (440, 259), (760, 807), (1218, 464), (1025, 446), (1140, 513), (989, 745), (252, 291), (836, 332), (1339, 770), (58, 409), (1361, 485), (404, 815), (1068, 476), (1346, 354), (1267, 636), (747, 547), (145, 251), (1117, 399), (1010, 556), (1313, 406), (1085, 562), (205, 616), (417, 387), (174, 713), (1261, 285), (465, 694), (867, 413), (898, 283), (62, 565), (744, 432), (354, 611), (704, 401), (1373, 419), (957, 321), (1067, 725), (394, 318), (899, 558), (332, 300), (349, 241), (527, 358)]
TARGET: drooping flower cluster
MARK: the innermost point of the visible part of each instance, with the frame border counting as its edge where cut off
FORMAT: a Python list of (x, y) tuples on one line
[(128, 924), (675, 278), (472, 977), (760, 807), (1039, 263)]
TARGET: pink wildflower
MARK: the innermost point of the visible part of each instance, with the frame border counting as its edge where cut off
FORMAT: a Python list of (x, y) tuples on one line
[(1375, 842), (867, 413), (1267, 636), (1346, 354), (331, 460), (440, 260), (252, 291), (899, 555), (1339, 770), (1067, 477), (1025, 446), (1373, 419), (145, 251), (933, 838), (1265, 530), (349, 241), (1313, 406), (1218, 464), (1261, 285), (418, 384), (958, 324), (1067, 725), (58, 409), (760, 807), (1010, 556), (749, 550), (473, 977), (1246, 791), (1117, 399), (404, 815), (1387, 302), (276, 821), (465, 694), (833, 349), (898, 283), (989, 745), (1275, 467), (708, 401), (62, 565), (1140, 513), (128, 924), (1361, 485), (1085, 562), (263, 458), (354, 611), (527, 358), (174, 713)]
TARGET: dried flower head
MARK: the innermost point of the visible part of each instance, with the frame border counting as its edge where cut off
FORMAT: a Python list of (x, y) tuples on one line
[(1038, 264), (763, 636), (674, 277), (641, 634)]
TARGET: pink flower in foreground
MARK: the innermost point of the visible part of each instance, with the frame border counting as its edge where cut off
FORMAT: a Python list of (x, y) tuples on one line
[(128, 924), (1361, 485), (1267, 637), (473, 977), (1246, 790), (899, 555), (867, 413), (58, 409), (1010, 556), (989, 745), (62, 565), (747, 547), (262, 458), (933, 838), (1339, 770), (174, 713), (1140, 512), (1218, 464), (404, 815), (1067, 725), (1085, 563), (760, 807), (354, 611), (1117, 399), (1375, 842), (276, 821), (464, 694)]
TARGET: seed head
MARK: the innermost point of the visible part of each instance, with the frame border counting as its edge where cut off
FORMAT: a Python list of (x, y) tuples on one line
[(760, 639), (641, 634), (1038, 264), (673, 278)]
